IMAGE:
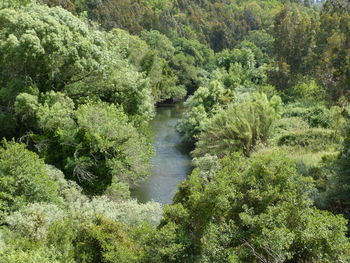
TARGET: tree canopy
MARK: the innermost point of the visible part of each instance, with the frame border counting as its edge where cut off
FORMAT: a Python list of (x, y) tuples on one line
[(265, 91)]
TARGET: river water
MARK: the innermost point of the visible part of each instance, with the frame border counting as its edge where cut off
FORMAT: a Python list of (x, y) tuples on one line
[(171, 164)]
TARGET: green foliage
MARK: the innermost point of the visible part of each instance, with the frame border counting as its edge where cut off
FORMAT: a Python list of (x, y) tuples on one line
[(315, 115), (151, 57), (288, 124), (294, 33), (245, 67), (49, 49), (315, 139), (34, 220), (51, 112), (46, 46), (82, 98), (106, 241), (117, 191), (159, 42), (128, 212), (262, 40), (220, 24), (238, 128), (239, 75), (14, 3), (39, 225), (243, 56), (332, 51), (41, 254), (38, 221), (92, 144), (167, 244), (309, 43), (200, 106), (23, 179), (335, 196), (308, 92), (191, 62), (257, 209), (105, 132)]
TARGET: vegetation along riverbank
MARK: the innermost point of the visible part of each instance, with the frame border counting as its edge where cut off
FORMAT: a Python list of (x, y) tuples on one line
[(265, 119)]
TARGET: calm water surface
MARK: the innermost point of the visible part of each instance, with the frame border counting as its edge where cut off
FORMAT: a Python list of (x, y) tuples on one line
[(171, 164)]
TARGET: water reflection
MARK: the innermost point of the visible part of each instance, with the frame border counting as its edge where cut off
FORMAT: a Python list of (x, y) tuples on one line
[(171, 163)]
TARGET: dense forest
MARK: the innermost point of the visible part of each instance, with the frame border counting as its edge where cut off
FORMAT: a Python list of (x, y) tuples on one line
[(266, 86)]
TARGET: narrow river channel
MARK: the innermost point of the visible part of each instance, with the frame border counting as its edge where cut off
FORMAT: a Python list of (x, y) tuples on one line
[(171, 164)]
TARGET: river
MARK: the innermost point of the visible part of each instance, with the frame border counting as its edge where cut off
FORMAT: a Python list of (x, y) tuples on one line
[(171, 164)]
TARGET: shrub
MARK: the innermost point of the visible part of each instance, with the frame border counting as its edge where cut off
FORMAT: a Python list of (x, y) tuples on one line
[(288, 124), (238, 128), (42, 254), (106, 241), (315, 139), (34, 220), (315, 116), (127, 212), (23, 179), (307, 91)]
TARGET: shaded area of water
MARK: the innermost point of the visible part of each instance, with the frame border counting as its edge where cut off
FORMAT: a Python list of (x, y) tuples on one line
[(171, 164)]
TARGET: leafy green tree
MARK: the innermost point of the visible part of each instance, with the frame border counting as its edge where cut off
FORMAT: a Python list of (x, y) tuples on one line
[(49, 49), (306, 91), (107, 142), (191, 63), (260, 57), (45, 46), (92, 144), (40, 254), (243, 56), (200, 106), (170, 243), (159, 42), (218, 24), (261, 39), (151, 57), (106, 241), (24, 179), (294, 33), (332, 51), (238, 75), (34, 220), (256, 210), (14, 3)]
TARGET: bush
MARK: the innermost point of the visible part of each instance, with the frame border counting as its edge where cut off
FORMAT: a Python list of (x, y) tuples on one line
[(315, 139), (315, 116), (200, 106), (106, 242), (289, 124), (238, 128), (42, 254), (24, 179), (34, 220), (307, 91), (129, 212)]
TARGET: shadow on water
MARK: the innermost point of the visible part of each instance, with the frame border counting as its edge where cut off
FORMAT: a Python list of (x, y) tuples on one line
[(171, 164)]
